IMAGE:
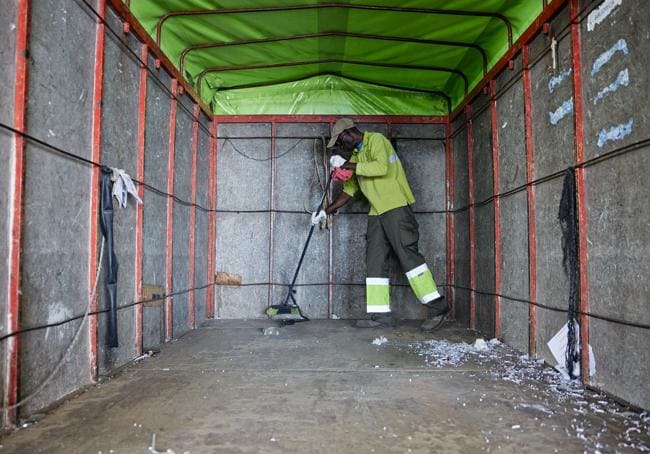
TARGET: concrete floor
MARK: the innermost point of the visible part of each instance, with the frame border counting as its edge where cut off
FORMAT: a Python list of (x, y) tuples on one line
[(323, 386)]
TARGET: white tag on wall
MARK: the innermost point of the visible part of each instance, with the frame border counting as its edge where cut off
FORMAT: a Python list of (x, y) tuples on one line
[(558, 344)]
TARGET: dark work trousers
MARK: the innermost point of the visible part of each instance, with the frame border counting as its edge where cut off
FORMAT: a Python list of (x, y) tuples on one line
[(396, 230)]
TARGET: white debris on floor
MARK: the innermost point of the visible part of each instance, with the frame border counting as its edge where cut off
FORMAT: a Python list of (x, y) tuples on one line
[(381, 340), (152, 448), (441, 353), (144, 356), (555, 394), (481, 345)]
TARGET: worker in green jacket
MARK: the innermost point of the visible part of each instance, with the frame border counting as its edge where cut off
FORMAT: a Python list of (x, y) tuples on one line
[(379, 175)]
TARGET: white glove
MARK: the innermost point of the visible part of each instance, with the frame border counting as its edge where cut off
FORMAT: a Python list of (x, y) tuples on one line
[(337, 161), (318, 216)]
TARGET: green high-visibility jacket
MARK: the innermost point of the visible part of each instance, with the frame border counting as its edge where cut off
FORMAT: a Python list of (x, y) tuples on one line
[(379, 175)]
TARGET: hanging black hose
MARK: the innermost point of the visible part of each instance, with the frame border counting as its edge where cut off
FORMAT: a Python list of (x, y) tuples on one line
[(569, 224), (110, 283)]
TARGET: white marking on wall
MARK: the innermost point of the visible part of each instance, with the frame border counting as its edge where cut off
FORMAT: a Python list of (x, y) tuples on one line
[(557, 80), (614, 133), (561, 112), (620, 46), (57, 312), (600, 14), (623, 79)]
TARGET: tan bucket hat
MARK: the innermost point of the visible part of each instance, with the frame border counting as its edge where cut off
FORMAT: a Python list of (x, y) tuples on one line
[(341, 125)]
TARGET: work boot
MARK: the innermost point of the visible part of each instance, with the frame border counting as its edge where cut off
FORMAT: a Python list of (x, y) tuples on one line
[(386, 319), (436, 320)]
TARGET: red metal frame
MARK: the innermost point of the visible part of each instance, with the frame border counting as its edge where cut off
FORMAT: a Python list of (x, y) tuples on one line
[(191, 319), (497, 210), (574, 12), (545, 16), (330, 252), (472, 242), (96, 152), (125, 14), (210, 306), (329, 119), (170, 215), (451, 243), (532, 247), (15, 245), (271, 213), (139, 214)]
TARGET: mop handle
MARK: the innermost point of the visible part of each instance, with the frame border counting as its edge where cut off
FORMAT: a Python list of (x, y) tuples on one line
[(304, 249)]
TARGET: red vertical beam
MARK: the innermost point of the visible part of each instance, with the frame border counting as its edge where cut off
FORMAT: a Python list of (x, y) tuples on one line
[(191, 320), (472, 241), (497, 210), (449, 177), (170, 215), (532, 249), (330, 246), (271, 207), (212, 222), (574, 12), (139, 214), (96, 152), (12, 369), (208, 290)]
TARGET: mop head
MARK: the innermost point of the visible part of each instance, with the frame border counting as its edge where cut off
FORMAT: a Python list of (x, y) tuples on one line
[(283, 310), (286, 314)]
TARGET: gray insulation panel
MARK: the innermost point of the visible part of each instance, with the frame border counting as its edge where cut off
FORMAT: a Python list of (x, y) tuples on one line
[(243, 249), (243, 238), (55, 246), (119, 149), (615, 79), (552, 111), (514, 216), (181, 223), (514, 270), (154, 234), (553, 151), (201, 251), (461, 225), (552, 283), (482, 168)]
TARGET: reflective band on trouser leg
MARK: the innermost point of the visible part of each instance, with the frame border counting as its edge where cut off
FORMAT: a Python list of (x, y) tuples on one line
[(377, 295), (422, 283)]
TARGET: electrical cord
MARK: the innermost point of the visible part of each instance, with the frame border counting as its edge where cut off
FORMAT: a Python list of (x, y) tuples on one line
[(277, 156), (597, 159), (589, 162), (315, 176), (335, 284), (51, 375)]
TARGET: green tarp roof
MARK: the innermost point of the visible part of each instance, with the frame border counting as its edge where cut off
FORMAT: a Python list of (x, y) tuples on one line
[(347, 57)]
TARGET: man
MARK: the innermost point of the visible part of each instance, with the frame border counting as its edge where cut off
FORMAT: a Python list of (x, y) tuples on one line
[(379, 175)]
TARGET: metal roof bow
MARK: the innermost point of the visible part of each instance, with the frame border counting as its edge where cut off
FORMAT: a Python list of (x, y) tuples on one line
[(356, 57)]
